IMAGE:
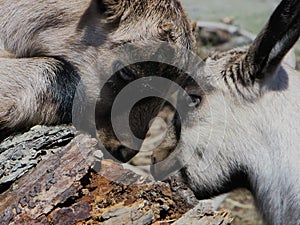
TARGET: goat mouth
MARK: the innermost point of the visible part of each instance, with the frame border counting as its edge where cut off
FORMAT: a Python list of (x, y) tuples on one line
[(121, 154)]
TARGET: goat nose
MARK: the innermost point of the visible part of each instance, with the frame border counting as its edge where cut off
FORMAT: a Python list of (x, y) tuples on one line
[(124, 154), (162, 170)]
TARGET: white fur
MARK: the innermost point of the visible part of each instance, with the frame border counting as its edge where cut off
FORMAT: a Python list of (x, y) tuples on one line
[(261, 136)]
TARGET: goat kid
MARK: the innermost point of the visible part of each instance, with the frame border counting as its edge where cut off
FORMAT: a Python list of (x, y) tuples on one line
[(243, 127), (52, 47)]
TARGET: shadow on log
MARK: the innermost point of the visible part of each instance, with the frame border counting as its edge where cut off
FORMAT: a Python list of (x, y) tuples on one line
[(46, 178)]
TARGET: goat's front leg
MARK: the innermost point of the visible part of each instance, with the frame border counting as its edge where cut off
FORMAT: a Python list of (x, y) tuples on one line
[(35, 91)]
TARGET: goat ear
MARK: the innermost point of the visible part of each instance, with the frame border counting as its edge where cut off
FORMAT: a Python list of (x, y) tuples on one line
[(273, 43)]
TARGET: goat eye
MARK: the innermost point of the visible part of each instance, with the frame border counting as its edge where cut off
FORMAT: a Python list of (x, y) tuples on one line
[(194, 101), (126, 74), (123, 72)]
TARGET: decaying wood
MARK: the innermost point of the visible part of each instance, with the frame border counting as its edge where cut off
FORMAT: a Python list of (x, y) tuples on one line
[(203, 214), (217, 36), (231, 29), (214, 36), (54, 180), (20, 153), (51, 182)]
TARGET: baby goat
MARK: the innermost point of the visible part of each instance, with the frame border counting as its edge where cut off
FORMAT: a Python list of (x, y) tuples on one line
[(243, 128), (58, 56)]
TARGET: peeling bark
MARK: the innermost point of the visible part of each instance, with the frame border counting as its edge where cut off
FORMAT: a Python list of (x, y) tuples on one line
[(46, 178)]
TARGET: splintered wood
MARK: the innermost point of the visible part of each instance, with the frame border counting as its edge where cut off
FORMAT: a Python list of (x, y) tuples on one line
[(56, 185)]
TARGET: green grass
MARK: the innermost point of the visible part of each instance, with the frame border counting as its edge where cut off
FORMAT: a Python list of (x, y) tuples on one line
[(251, 15)]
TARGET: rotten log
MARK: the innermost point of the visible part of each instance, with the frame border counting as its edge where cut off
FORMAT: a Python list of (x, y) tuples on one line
[(47, 178), (20, 153), (217, 36), (231, 29)]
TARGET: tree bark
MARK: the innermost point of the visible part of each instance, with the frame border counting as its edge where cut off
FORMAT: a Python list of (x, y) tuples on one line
[(47, 176)]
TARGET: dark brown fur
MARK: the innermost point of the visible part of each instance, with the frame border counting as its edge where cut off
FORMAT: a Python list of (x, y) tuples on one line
[(51, 47)]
